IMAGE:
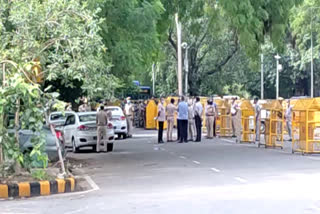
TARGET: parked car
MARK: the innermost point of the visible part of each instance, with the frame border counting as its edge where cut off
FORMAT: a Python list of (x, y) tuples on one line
[(119, 121), (25, 137), (80, 130), (59, 118)]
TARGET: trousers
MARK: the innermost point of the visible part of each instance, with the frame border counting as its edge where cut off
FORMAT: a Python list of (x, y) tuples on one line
[(102, 137), (170, 122), (210, 121), (160, 131), (198, 127), (191, 129), (183, 130), (130, 125)]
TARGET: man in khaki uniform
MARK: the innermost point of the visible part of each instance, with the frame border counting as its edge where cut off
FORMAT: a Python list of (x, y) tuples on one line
[(170, 109), (191, 121), (85, 106), (102, 122), (128, 111), (210, 114)]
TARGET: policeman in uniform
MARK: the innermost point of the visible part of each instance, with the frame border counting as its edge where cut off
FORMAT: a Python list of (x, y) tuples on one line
[(257, 118), (102, 122), (170, 109), (128, 111), (210, 114)]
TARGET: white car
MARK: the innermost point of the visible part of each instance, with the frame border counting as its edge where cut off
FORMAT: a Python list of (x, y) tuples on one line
[(119, 121), (80, 130), (59, 118)]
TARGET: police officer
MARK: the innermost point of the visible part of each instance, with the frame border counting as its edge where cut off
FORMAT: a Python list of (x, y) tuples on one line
[(234, 111), (128, 111), (257, 118), (161, 118), (191, 121), (171, 109), (210, 114), (102, 122)]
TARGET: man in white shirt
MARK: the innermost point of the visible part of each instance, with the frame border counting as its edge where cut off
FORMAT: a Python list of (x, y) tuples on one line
[(128, 111), (198, 118), (191, 121), (161, 118)]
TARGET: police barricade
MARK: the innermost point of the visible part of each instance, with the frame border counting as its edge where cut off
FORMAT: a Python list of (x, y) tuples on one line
[(306, 126), (225, 118), (274, 125), (248, 131), (151, 113), (203, 101)]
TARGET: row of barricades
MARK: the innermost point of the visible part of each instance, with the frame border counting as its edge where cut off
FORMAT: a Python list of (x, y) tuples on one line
[(305, 122)]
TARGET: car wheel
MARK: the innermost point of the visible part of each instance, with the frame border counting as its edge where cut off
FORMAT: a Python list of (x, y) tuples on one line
[(94, 148), (109, 147), (119, 136), (75, 149), (124, 136)]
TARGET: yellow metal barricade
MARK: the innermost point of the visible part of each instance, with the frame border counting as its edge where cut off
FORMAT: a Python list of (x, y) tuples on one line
[(247, 122), (225, 117), (274, 123), (306, 126), (203, 101), (151, 113)]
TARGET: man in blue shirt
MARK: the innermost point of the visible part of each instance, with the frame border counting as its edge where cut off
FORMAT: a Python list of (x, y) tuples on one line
[(183, 118)]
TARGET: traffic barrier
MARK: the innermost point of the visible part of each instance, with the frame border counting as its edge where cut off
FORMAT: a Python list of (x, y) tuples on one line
[(274, 124), (306, 126), (247, 122), (151, 113), (219, 103), (225, 117)]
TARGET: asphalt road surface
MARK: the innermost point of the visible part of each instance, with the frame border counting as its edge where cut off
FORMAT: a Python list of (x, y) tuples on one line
[(212, 177)]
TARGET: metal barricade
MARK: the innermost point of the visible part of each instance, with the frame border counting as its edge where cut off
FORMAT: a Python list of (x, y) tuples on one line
[(225, 117), (151, 113), (248, 131), (306, 126), (274, 125), (219, 103)]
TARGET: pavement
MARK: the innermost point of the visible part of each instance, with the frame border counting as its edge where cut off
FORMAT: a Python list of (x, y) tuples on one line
[(212, 177)]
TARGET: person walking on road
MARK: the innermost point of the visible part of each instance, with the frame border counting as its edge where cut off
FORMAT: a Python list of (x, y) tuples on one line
[(183, 118), (102, 122), (215, 119), (210, 114), (234, 111), (191, 122), (288, 117), (128, 111), (161, 118), (198, 118), (257, 118), (171, 109)]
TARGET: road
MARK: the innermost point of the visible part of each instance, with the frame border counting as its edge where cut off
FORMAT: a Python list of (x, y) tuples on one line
[(212, 177)]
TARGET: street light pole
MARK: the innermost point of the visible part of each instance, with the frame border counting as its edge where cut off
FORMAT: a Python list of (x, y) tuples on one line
[(186, 66), (277, 57), (262, 86), (153, 80), (178, 24)]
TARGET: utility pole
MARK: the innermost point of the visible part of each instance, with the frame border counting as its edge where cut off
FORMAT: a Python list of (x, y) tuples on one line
[(277, 57), (262, 81), (178, 24), (186, 66)]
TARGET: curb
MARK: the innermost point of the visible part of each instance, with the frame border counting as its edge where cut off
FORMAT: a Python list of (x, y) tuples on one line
[(41, 188)]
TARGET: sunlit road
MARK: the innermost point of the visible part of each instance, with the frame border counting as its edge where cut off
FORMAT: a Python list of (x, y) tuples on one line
[(213, 177)]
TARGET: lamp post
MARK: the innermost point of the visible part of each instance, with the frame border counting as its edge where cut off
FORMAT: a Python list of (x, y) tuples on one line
[(186, 66), (277, 57), (311, 27), (178, 24), (262, 86)]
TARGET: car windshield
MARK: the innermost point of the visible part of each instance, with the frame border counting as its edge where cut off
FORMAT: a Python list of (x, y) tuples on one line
[(115, 111), (87, 118)]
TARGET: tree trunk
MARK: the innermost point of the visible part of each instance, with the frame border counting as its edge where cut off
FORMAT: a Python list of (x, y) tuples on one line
[(16, 128)]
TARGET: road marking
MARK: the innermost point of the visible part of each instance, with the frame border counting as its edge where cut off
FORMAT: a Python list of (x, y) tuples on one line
[(241, 180), (215, 170), (230, 141), (162, 149), (196, 162), (92, 183), (182, 157), (314, 158)]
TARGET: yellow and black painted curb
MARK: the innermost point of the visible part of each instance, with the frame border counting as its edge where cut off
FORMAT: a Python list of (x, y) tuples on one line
[(41, 188)]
